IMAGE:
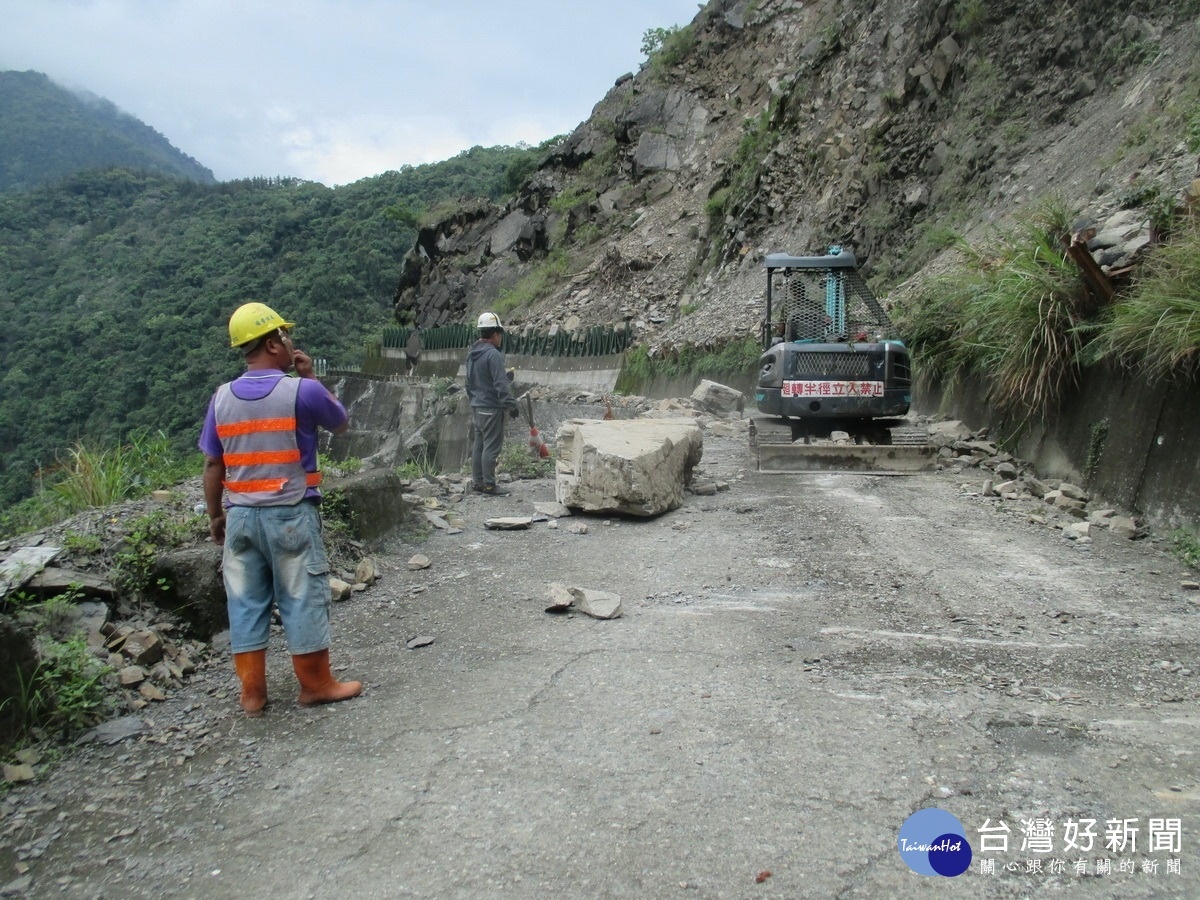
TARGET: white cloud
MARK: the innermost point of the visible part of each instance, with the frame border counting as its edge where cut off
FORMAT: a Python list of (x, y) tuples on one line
[(335, 91)]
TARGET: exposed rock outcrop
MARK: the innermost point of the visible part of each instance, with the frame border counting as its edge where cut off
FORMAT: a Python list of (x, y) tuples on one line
[(786, 127)]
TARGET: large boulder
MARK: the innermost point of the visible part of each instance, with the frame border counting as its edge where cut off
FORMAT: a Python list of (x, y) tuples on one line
[(718, 399), (188, 582), (374, 500), (634, 466)]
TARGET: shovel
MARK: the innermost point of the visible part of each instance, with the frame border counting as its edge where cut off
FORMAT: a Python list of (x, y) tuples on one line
[(537, 446)]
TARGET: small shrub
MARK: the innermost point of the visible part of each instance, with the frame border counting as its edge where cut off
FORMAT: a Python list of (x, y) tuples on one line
[(341, 467), (586, 234), (58, 612), (537, 284), (82, 544), (736, 358), (66, 692), (416, 467), (969, 16), (518, 460), (337, 522), (1185, 543), (148, 537), (568, 200), (714, 207), (666, 47), (1096, 441)]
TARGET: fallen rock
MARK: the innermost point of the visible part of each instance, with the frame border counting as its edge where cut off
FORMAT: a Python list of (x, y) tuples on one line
[(53, 581), (597, 604), (339, 591), (1072, 491), (376, 498), (559, 598), (145, 648), (1006, 470), (1123, 526), (131, 675), (18, 887), (18, 773), (554, 510), (418, 561), (422, 640), (948, 433), (188, 582), (23, 564), (366, 571), (718, 399), (635, 466), (508, 523), (115, 730), (149, 692)]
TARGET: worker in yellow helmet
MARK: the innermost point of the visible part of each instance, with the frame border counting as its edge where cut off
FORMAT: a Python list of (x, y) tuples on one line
[(261, 489)]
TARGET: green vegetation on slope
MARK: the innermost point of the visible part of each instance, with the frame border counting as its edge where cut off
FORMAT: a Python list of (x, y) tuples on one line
[(48, 133), (1018, 313), (116, 287)]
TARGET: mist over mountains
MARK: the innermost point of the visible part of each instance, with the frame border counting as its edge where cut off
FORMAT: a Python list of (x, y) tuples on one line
[(48, 132)]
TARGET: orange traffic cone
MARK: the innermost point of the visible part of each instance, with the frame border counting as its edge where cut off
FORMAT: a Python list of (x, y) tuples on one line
[(537, 445)]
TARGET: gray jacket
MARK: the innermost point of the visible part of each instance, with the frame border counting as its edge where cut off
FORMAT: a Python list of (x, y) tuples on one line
[(487, 382)]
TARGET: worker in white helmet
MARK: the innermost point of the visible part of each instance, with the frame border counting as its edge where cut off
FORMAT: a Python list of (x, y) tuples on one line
[(490, 395)]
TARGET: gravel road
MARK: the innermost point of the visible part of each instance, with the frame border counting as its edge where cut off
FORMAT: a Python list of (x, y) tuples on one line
[(803, 663)]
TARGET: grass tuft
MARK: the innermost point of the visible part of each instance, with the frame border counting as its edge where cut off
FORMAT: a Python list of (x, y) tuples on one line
[(1018, 314), (1156, 326)]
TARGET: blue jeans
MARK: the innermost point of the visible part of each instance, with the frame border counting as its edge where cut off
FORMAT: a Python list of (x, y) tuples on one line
[(485, 448), (275, 554)]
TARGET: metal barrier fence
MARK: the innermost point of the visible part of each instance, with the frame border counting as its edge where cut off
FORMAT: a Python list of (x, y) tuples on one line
[(600, 340)]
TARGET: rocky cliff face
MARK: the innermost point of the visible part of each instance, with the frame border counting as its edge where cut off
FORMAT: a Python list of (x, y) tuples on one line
[(786, 126)]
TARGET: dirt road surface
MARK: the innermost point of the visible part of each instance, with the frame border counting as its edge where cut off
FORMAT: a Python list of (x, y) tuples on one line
[(802, 664)]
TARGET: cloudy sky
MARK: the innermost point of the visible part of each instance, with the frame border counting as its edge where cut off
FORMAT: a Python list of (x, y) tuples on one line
[(337, 90)]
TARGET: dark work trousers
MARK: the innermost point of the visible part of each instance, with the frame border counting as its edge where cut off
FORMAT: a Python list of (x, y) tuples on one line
[(485, 447)]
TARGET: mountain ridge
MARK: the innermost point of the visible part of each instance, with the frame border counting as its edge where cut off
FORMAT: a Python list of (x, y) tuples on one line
[(48, 132)]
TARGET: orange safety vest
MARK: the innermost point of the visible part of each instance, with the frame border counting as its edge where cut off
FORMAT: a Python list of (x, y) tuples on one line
[(259, 449)]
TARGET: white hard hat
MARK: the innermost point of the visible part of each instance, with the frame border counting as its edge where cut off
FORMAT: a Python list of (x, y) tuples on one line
[(489, 320)]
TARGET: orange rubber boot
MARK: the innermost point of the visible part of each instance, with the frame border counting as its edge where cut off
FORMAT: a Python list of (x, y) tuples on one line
[(252, 671), (317, 684)]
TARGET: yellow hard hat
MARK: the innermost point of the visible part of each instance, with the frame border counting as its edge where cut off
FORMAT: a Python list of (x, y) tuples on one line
[(251, 321)]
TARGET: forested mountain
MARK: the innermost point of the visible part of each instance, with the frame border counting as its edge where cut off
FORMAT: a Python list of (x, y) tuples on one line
[(116, 287), (48, 133)]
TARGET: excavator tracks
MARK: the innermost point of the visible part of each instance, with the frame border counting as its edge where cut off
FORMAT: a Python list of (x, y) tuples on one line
[(879, 447)]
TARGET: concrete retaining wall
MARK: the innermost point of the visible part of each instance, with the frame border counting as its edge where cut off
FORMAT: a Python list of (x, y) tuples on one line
[(585, 373), (1133, 442)]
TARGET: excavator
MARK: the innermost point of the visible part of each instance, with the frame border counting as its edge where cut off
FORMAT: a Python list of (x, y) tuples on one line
[(834, 384)]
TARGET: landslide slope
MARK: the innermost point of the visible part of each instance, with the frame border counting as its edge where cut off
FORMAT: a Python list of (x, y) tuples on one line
[(771, 126)]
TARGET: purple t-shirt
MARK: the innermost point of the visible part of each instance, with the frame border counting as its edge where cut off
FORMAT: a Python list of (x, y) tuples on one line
[(315, 407)]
